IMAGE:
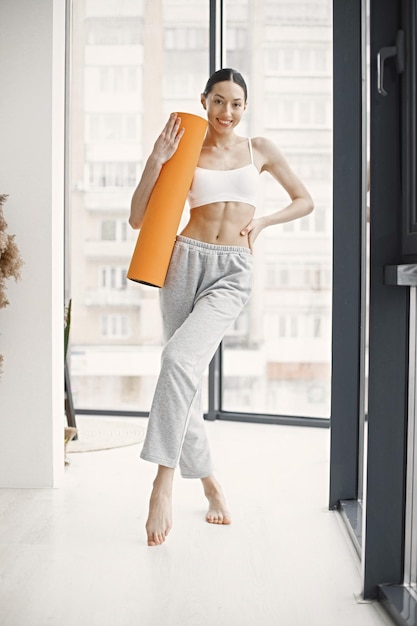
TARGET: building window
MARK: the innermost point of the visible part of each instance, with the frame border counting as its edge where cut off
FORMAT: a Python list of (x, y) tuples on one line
[(112, 174), (308, 276), (181, 85), (312, 167), (288, 326), (108, 230), (113, 278), (317, 327), (118, 78), (113, 230), (114, 31), (295, 324), (299, 13), (317, 222), (112, 127), (237, 38), (114, 326), (186, 38), (296, 60), (300, 112), (317, 277)]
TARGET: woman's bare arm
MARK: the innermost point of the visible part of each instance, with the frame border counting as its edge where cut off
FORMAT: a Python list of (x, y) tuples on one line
[(276, 164), (270, 159)]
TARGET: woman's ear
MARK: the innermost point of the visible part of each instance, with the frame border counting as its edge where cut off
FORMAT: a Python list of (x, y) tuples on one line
[(203, 101)]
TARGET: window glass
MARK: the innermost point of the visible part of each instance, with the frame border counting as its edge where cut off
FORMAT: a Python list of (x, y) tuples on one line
[(279, 363), (133, 62)]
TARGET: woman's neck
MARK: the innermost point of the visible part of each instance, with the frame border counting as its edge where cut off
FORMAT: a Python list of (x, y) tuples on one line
[(221, 141)]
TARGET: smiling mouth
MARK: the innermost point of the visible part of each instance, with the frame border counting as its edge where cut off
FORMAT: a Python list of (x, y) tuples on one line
[(224, 122)]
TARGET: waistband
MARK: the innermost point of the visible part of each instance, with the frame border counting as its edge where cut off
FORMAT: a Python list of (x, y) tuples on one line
[(211, 247)]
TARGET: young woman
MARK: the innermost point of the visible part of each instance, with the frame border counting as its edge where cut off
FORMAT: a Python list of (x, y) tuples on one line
[(208, 283)]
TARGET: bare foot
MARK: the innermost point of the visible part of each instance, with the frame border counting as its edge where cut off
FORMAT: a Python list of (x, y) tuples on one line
[(159, 521), (218, 512)]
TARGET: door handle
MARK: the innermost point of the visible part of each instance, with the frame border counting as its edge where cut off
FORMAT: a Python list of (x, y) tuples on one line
[(396, 51)]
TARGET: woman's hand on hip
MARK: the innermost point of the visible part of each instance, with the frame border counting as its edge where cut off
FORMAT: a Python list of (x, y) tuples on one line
[(252, 230)]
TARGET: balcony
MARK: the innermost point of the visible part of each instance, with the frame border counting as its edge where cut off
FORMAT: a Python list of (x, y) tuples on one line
[(112, 297), (109, 249), (107, 199)]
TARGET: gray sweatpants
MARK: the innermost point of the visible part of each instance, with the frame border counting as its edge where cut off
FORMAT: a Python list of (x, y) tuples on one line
[(206, 288)]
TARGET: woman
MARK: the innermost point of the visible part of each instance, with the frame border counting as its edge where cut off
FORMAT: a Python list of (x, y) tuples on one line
[(208, 282)]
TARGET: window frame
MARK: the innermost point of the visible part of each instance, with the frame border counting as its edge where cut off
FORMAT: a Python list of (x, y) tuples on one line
[(409, 133)]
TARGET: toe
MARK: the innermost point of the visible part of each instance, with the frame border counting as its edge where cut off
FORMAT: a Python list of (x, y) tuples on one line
[(154, 539)]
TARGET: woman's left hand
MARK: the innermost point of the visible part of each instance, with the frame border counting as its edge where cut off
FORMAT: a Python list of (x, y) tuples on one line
[(252, 231)]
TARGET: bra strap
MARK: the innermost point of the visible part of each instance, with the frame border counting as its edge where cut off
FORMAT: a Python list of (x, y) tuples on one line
[(250, 150)]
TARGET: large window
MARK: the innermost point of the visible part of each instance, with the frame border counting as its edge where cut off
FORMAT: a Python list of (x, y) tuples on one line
[(279, 363), (134, 63)]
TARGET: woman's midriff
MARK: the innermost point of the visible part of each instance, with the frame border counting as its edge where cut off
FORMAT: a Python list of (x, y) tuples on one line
[(220, 223)]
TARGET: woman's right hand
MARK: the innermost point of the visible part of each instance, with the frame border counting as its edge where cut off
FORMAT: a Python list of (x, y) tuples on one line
[(167, 143), (165, 146)]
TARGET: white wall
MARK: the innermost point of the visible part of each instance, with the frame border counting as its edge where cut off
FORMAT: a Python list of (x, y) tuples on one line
[(32, 45)]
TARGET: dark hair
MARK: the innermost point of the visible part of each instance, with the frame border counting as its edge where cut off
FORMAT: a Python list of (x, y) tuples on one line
[(226, 73)]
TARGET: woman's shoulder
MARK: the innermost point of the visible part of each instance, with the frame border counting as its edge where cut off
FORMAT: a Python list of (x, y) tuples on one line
[(263, 144), (266, 150)]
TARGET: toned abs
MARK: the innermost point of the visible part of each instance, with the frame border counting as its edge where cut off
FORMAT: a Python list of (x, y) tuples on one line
[(220, 223)]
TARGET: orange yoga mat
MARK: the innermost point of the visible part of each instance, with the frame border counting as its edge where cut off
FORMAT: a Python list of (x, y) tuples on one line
[(152, 254)]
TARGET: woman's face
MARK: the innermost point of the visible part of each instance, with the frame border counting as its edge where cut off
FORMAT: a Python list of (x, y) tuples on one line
[(225, 105)]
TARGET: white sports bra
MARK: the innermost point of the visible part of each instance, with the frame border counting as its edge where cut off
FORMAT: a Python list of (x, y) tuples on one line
[(238, 185)]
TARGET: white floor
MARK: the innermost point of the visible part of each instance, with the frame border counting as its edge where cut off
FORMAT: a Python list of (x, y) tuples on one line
[(78, 556)]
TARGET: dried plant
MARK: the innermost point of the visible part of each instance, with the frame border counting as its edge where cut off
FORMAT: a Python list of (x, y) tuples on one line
[(10, 259)]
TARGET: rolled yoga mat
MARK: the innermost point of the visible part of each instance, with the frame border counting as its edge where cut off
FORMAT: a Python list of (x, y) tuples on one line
[(152, 254)]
